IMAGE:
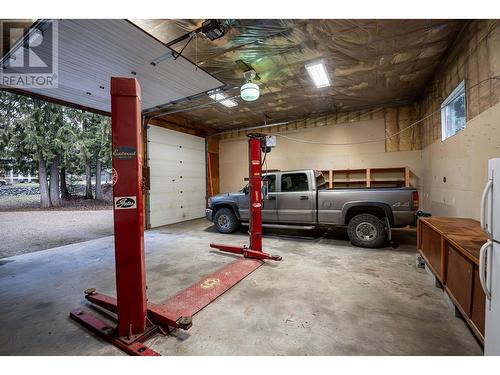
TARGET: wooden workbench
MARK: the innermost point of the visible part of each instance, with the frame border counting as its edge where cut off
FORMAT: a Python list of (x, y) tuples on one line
[(450, 248)]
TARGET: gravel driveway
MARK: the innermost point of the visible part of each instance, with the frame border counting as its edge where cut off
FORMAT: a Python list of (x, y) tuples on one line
[(28, 231)]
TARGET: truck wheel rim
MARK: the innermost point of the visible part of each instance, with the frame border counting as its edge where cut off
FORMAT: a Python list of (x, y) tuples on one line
[(366, 231), (224, 222)]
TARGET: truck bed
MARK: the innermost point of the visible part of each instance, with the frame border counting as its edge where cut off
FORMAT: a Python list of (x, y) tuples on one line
[(333, 204)]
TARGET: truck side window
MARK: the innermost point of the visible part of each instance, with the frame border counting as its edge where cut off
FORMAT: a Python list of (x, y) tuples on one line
[(270, 179), (294, 182)]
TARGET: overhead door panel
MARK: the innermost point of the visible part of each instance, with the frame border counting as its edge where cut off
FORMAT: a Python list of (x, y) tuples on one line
[(91, 51), (178, 176)]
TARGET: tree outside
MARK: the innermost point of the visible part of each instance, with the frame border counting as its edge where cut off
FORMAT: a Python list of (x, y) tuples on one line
[(56, 144)]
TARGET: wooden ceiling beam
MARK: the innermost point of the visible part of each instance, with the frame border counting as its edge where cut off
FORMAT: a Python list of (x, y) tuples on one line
[(168, 124)]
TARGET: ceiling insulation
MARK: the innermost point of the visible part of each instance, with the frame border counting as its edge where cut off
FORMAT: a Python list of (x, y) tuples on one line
[(370, 62), (93, 51)]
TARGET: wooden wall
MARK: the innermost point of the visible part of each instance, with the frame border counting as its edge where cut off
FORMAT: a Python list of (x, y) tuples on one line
[(400, 123), (474, 58), (396, 119), (213, 160), (348, 153), (455, 170)]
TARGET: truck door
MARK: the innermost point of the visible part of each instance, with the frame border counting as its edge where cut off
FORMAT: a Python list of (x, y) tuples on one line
[(295, 199), (269, 204), (242, 202)]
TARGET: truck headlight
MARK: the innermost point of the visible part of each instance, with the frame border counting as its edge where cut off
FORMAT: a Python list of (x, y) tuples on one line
[(209, 202)]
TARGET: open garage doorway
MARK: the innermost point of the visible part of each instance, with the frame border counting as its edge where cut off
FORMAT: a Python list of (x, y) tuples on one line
[(55, 167), (63, 149)]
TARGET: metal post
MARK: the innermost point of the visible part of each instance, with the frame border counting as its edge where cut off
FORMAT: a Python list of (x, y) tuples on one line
[(128, 206), (137, 319), (255, 192), (254, 204)]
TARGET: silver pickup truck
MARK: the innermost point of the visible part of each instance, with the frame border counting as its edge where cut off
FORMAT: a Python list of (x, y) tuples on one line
[(301, 199)]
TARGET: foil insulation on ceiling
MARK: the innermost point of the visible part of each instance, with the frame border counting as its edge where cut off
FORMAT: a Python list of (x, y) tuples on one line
[(370, 62)]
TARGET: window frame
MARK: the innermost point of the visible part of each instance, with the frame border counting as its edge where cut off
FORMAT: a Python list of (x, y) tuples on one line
[(293, 191), (455, 94), (275, 181)]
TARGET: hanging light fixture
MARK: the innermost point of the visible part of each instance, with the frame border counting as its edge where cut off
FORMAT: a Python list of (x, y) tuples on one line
[(249, 91)]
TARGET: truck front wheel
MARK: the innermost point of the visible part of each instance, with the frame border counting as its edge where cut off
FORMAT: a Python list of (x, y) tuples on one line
[(366, 230), (225, 221)]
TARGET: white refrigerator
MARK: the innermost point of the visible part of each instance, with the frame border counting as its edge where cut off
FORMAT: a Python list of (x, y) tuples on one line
[(489, 257)]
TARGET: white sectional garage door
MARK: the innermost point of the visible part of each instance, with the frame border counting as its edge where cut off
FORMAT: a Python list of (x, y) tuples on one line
[(177, 176)]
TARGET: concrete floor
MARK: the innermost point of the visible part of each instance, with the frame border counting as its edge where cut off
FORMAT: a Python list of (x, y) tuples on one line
[(325, 298), (24, 232)]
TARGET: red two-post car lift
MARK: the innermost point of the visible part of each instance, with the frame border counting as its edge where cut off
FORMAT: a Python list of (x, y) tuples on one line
[(256, 143), (139, 319)]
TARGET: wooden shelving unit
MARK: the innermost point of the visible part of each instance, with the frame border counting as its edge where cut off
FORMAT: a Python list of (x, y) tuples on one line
[(368, 177)]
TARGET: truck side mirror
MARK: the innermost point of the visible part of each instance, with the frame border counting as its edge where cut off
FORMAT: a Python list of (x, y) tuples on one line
[(245, 190), (265, 190)]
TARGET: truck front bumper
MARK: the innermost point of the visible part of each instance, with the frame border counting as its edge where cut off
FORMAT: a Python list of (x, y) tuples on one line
[(209, 214)]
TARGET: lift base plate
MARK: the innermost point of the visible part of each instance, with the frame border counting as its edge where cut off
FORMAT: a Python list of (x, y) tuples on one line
[(106, 332), (174, 312)]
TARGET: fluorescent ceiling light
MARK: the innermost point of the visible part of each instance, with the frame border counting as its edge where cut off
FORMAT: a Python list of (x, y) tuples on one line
[(220, 97), (318, 74)]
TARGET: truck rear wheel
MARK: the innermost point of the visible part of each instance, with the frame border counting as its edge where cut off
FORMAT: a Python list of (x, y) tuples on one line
[(366, 230), (225, 221)]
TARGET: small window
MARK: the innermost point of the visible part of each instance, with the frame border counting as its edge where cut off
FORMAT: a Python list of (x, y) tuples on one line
[(453, 112), (294, 182), (270, 180)]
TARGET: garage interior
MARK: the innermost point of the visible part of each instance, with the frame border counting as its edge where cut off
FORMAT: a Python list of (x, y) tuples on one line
[(377, 123)]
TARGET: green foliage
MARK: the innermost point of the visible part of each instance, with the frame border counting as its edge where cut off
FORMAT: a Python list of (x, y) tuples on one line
[(95, 138), (9, 111), (33, 130)]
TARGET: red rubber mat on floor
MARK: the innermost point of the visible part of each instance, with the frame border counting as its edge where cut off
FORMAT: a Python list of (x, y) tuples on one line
[(193, 299)]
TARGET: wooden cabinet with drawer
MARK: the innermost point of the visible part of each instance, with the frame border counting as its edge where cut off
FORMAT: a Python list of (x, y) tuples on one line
[(430, 246), (459, 277), (450, 247), (478, 307)]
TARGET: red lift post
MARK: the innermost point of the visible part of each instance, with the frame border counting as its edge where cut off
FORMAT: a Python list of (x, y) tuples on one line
[(256, 143), (138, 319), (128, 207), (135, 316)]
